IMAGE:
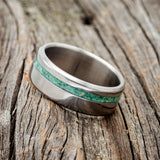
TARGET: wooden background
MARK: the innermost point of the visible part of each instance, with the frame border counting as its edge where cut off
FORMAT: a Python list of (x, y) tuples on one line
[(124, 32)]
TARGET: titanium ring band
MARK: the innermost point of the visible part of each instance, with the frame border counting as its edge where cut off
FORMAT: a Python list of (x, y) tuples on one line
[(77, 79)]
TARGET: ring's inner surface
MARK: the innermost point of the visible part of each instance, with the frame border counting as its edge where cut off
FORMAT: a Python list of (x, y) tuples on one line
[(82, 66)]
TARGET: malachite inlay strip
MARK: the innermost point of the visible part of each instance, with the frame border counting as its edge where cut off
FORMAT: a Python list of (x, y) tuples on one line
[(73, 90)]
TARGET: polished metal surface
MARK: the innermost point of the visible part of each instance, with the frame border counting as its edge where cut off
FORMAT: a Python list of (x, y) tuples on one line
[(78, 70)]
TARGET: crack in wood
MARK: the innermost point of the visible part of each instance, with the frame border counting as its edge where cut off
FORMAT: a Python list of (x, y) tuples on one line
[(129, 138), (142, 132), (65, 141), (12, 155)]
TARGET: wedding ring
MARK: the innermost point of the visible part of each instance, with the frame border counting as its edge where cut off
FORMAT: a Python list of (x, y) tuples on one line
[(77, 79)]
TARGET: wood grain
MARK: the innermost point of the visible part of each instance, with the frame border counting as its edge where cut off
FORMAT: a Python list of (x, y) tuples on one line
[(125, 33)]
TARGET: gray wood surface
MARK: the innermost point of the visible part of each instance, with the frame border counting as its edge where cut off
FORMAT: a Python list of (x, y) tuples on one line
[(124, 32)]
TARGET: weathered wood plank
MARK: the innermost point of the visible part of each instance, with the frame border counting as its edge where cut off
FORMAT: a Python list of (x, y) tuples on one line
[(125, 33), (13, 45)]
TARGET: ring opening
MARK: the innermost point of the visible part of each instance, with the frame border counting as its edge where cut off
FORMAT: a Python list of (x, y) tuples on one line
[(82, 66)]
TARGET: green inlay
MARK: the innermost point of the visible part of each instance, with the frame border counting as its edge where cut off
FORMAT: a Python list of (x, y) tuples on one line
[(73, 90)]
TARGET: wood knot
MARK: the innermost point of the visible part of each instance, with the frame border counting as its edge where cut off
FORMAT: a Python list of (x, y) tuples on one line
[(88, 19)]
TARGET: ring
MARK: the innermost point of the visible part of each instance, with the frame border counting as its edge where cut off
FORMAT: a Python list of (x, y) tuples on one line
[(77, 79)]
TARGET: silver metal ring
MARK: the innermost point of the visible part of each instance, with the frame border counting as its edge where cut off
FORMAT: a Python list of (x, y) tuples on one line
[(77, 79)]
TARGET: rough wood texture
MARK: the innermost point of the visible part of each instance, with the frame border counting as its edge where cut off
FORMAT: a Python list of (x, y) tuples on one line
[(124, 32)]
